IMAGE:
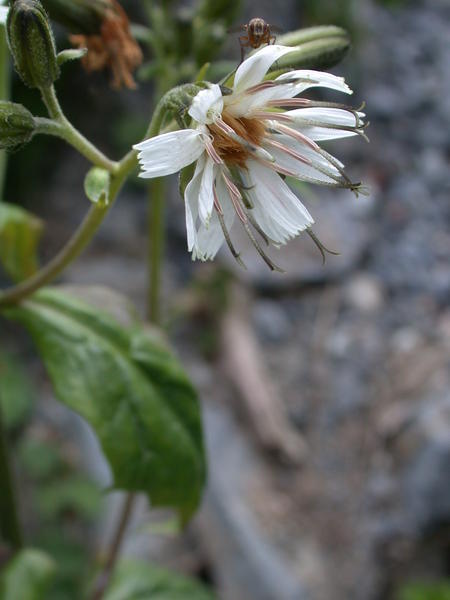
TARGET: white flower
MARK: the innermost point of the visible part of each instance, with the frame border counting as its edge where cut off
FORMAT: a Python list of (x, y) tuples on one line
[(242, 141)]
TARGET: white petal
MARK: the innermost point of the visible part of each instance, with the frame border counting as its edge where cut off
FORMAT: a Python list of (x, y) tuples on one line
[(309, 78), (317, 123), (322, 134), (168, 153), (207, 105), (3, 14), (325, 116), (300, 170), (206, 194), (191, 195), (308, 152), (276, 209), (241, 105), (225, 202), (253, 69), (210, 239)]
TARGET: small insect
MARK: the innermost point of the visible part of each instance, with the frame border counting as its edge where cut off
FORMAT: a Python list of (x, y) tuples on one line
[(258, 32)]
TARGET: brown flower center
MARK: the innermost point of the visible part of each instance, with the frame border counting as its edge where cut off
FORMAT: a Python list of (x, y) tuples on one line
[(230, 150)]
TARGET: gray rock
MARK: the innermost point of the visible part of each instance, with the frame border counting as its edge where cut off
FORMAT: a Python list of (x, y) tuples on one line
[(271, 322), (364, 293), (248, 566), (426, 480)]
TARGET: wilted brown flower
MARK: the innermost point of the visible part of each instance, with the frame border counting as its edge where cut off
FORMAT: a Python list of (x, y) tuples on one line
[(113, 47)]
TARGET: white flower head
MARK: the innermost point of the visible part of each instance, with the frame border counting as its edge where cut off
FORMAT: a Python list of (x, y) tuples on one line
[(243, 142), (207, 105)]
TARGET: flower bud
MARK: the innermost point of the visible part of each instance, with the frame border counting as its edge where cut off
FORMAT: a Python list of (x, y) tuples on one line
[(17, 126), (32, 44), (178, 100), (318, 48)]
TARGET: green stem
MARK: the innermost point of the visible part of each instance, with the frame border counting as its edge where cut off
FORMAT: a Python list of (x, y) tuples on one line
[(63, 128), (155, 252), (156, 191), (52, 103), (4, 95), (9, 520), (102, 581), (71, 250), (161, 20), (86, 230), (127, 509)]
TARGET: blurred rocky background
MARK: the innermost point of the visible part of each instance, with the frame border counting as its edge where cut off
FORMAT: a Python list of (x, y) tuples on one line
[(326, 390)]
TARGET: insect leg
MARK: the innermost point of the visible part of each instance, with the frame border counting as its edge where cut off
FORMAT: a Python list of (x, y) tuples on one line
[(244, 42)]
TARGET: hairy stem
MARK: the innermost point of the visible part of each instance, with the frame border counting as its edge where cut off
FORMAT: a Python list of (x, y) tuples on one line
[(86, 230), (155, 252), (61, 127), (156, 230), (71, 250), (4, 95), (9, 519)]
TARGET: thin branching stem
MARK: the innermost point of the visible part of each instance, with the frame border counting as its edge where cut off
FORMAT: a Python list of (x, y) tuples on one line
[(156, 191), (86, 230), (64, 129), (114, 550)]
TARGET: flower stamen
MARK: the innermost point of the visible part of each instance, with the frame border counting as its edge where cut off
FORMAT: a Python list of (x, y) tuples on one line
[(264, 85), (217, 204), (289, 151), (273, 116), (300, 137), (226, 233), (279, 169), (289, 102), (235, 196), (251, 148), (212, 151)]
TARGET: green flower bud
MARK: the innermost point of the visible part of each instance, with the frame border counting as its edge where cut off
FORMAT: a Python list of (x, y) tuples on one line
[(318, 48), (178, 100), (17, 126), (32, 44)]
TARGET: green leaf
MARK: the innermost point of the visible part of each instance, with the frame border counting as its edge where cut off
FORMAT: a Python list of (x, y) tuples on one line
[(140, 581), (201, 75), (96, 185), (70, 553), (20, 233), (16, 395), (27, 576), (129, 387)]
